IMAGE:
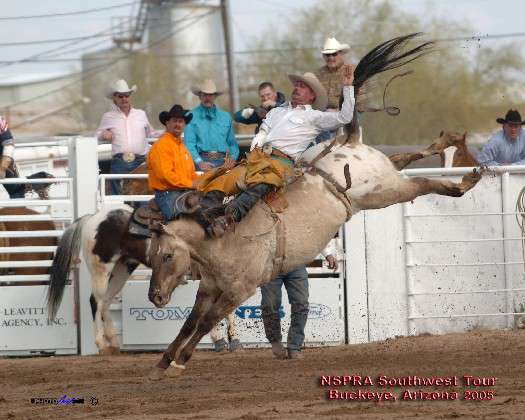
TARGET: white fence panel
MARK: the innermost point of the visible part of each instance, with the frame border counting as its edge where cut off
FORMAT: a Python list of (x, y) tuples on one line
[(24, 326), (438, 264)]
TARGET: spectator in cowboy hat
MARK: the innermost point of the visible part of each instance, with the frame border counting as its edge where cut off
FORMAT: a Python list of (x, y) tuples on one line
[(210, 137), (505, 146), (127, 129), (171, 171), (330, 76)]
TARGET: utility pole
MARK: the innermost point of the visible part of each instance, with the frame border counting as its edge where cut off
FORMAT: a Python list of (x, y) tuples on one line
[(230, 59)]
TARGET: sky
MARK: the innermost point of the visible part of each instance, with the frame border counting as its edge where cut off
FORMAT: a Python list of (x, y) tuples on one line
[(250, 18)]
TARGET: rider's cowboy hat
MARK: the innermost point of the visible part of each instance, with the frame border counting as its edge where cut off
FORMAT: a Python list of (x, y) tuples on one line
[(321, 98), (332, 45), (119, 86), (208, 87), (176, 111), (512, 116)]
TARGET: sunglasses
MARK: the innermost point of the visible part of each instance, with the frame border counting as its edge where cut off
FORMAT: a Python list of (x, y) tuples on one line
[(331, 54), (122, 95)]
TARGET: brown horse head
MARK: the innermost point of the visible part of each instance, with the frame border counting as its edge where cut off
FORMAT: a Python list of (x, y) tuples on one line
[(137, 186), (170, 261), (454, 151)]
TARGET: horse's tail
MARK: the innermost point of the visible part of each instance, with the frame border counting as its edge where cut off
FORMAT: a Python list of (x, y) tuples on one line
[(386, 56), (67, 250)]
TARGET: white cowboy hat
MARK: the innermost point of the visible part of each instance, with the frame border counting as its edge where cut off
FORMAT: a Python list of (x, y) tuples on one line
[(208, 86), (332, 45), (321, 97), (119, 86)]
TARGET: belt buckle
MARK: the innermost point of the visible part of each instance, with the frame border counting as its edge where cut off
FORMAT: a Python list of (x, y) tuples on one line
[(267, 148), (128, 157)]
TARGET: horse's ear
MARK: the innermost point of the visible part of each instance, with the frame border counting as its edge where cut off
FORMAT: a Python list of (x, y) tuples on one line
[(441, 134), (464, 135)]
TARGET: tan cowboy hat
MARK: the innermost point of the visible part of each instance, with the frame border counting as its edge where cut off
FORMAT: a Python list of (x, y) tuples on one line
[(119, 86), (321, 98), (208, 86), (332, 45)]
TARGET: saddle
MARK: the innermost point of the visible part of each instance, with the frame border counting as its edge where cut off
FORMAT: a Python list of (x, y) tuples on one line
[(145, 220)]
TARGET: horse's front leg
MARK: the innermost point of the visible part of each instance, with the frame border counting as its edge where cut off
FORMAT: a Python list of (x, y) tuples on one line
[(203, 302), (224, 305)]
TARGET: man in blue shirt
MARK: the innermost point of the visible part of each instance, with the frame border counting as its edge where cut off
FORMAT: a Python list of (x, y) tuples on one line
[(506, 146), (210, 136)]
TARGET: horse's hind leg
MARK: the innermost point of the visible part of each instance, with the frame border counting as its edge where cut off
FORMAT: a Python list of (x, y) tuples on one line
[(99, 283), (120, 273), (445, 187), (408, 189), (402, 160)]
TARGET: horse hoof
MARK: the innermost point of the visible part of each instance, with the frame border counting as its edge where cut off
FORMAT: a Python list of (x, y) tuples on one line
[(106, 351), (174, 370), (114, 350), (235, 345), (220, 345), (156, 374)]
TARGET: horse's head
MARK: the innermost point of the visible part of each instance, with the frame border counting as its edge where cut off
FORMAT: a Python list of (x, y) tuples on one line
[(170, 261), (137, 186), (447, 139), (453, 150)]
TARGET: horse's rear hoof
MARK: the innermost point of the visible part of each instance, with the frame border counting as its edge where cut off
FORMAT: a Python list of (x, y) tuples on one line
[(106, 351), (156, 374), (114, 350)]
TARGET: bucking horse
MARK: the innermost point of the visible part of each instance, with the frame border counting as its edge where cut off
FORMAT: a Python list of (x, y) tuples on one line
[(340, 178)]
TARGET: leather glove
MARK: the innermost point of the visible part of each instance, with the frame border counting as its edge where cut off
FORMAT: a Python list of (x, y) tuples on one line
[(247, 112), (258, 140)]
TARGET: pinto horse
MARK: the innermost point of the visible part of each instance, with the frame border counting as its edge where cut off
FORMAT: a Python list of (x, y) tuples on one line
[(111, 255)]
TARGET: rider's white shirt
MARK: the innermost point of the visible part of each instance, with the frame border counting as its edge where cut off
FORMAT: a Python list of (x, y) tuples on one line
[(292, 130)]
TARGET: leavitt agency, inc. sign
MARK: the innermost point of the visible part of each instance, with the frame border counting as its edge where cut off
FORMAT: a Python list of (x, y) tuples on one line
[(24, 324)]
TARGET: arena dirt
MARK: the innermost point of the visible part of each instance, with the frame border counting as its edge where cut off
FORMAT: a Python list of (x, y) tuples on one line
[(252, 385)]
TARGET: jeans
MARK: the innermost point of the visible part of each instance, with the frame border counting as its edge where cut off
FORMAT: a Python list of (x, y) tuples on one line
[(14, 190), (215, 162), (241, 205), (296, 283), (120, 166), (325, 135), (167, 201)]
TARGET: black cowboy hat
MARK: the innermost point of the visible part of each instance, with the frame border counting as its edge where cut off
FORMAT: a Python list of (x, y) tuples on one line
[(512, 116), (176, 111)]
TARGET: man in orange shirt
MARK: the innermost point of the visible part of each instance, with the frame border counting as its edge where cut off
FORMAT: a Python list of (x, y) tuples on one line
[(171, 171)]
